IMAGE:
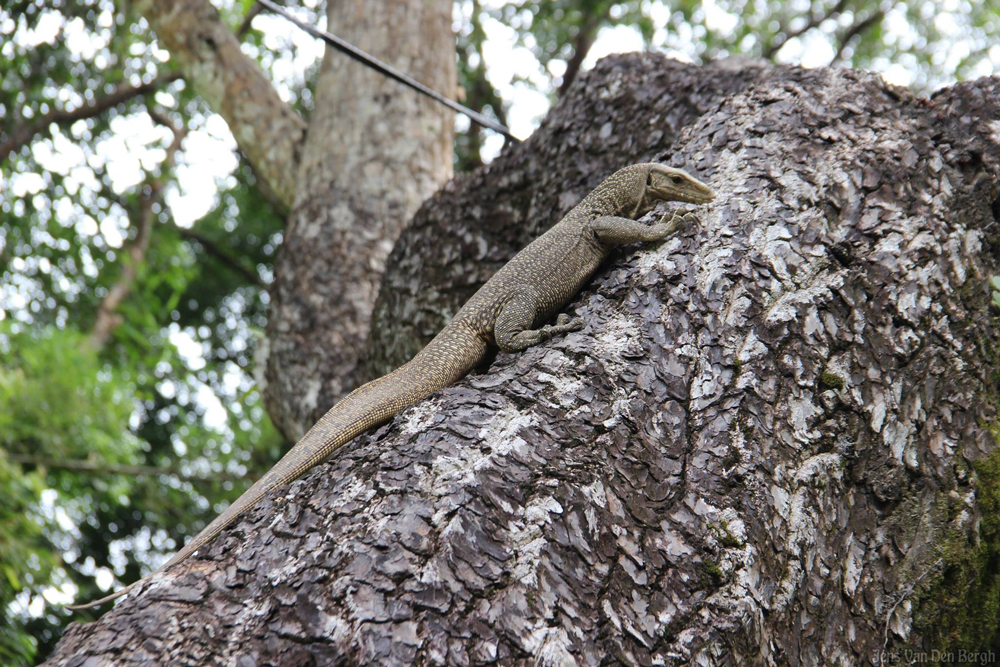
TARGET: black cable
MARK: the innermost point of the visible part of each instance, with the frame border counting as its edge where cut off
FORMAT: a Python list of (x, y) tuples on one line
[(392, 73)]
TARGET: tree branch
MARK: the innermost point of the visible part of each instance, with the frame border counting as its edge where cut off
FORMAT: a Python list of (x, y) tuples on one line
[(226, 258), (152, 193), (107, 319), (814, 21), (857, 29), (267, 129), (103, 467), (581, 46), (22, 135), (251, 15), (480, 94)]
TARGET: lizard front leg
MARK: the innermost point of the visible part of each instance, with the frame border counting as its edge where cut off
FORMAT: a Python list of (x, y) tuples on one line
[(614, 230), (511, 330)]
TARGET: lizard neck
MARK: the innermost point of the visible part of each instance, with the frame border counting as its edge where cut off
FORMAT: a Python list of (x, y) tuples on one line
[(597, 207), (623, 194)]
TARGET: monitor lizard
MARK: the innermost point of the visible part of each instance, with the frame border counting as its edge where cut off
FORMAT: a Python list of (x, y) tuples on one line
[(523, 294)]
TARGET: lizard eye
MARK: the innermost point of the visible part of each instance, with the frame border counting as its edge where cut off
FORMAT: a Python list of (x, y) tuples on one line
[(677, 179), (649, 179)]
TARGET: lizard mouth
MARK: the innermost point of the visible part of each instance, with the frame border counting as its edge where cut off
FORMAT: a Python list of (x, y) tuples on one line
[(669, 184), (702, 198), (692, 193)]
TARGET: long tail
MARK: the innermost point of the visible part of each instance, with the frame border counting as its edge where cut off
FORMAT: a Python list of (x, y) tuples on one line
[(453, 353)]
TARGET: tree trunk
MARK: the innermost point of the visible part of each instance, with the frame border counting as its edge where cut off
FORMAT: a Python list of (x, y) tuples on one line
[(374, 152), (759, 450)]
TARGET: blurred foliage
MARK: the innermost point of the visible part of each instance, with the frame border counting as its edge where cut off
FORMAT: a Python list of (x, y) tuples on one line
[(27, 558), (557, 31), (57, 399), (112, 454)]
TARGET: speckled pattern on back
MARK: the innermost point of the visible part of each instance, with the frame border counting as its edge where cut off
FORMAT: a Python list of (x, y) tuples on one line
[(526, 292)]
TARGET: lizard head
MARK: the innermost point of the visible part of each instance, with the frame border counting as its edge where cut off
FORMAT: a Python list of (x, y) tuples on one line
[(668, 184), (636, 190)]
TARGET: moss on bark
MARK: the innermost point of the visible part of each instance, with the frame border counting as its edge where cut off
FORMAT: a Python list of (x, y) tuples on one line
[(959, 609)]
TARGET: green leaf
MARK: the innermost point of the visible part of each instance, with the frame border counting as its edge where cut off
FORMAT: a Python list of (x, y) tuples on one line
[(11, 575)]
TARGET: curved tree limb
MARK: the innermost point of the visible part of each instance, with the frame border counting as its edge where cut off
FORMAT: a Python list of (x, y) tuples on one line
[(763, 439), (142, 221), (19, 136), (269, 132)]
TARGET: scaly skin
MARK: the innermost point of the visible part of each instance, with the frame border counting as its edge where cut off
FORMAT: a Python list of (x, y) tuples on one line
[(526, 292)]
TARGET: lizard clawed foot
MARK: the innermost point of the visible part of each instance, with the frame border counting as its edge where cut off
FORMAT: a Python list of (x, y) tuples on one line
[(672, 222), (563, 324), (532, 337)]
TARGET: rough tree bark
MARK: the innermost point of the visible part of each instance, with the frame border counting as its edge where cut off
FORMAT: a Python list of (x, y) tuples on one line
[(756, 451), (374, 152), (480, 220)]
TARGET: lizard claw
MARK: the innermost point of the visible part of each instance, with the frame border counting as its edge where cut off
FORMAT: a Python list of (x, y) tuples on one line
[(678, 219), (563, 324), (672, 222)]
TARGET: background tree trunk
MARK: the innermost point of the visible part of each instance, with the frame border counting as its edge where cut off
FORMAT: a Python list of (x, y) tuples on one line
[(374, 152), (758, 449)]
